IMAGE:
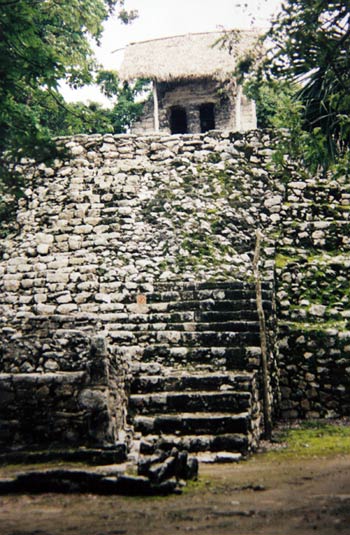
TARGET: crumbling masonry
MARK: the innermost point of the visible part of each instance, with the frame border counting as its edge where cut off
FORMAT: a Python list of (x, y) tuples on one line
[(128, 306)]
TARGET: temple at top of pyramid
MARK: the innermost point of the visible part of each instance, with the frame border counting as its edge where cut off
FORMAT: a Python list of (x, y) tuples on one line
[(194, 87)]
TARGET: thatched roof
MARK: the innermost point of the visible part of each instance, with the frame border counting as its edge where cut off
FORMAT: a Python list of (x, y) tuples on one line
[(188, 56)]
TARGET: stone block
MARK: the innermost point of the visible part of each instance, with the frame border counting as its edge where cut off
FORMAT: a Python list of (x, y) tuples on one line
[(68, 308), (11, 285), (45, 309), (57, 276), (93, 399)]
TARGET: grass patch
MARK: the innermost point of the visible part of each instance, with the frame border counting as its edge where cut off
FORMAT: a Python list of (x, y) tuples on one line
[(201, 484), (312, 439)]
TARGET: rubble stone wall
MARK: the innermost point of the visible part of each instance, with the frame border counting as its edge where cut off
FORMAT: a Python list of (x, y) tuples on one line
[(79, 407), (313, 298), (95, 230), (101, 226), (125, 211)]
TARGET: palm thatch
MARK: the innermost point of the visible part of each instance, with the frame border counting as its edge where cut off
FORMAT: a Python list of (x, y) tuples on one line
[(185, 57)]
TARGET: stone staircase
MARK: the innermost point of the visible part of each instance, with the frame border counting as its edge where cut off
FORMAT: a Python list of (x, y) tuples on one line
[(196, 354), (210, 414)]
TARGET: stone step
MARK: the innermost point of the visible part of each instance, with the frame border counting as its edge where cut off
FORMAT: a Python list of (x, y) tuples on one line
[(196, 443), (157, 317), (229, 285), (233, 357), (207, 457), (208, 305), (190, 381), (221, 317), (180, 317), (198, 401), (306, 211), (187, 339), (196, 423), (200, 295), (91, 456), (319, 193), (299, 257), (152, 328), (316, 224), (323, 235)]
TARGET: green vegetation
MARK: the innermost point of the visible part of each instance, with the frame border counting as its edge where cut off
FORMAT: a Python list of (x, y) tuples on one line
[(312, 439), (61, 118), (282, 260), (201, 244), (320, 328), (322, 278), (214, 157), (301, 82), (43, 43)]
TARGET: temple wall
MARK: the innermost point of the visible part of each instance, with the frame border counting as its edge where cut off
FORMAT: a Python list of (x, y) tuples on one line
[(190, 95)]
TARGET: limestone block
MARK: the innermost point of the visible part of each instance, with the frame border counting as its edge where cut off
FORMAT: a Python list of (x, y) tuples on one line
[(77, 150), (321, 224), (57, 276), (125, 211), (82, 297), (43, 248), (274, 201), (83, 229), (11, 285), (107, 147), (64, 298), (45, 309), (49, 172), (156, 146), (318, 235), (317, 310), (74, 243), (27, 283), (103, 298), (93, 221), (67, 308), (43, 237), (25, 299), (92, 155), (89, 307), (171, 337), (87, 286), (51, 365), (297, 185), (93, 399), (59, 263), (40, 298)]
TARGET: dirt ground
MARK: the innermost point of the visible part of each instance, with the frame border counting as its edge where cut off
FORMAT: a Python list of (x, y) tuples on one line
[(260, 496)]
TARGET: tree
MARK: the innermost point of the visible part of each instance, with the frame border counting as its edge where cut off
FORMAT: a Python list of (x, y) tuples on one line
[(310, 47), (126, 108), (61, 118), (301, 81), (270, 97), (41, 43)]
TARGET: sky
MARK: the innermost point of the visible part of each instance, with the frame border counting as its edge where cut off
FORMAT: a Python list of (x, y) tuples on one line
[(163, 18)]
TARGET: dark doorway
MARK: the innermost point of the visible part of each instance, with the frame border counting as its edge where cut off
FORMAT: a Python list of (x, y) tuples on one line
[(207, 117), (178, 120)]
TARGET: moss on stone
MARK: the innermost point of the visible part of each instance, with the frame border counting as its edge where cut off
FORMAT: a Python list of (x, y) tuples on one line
[(321, 327), (282, 260)]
